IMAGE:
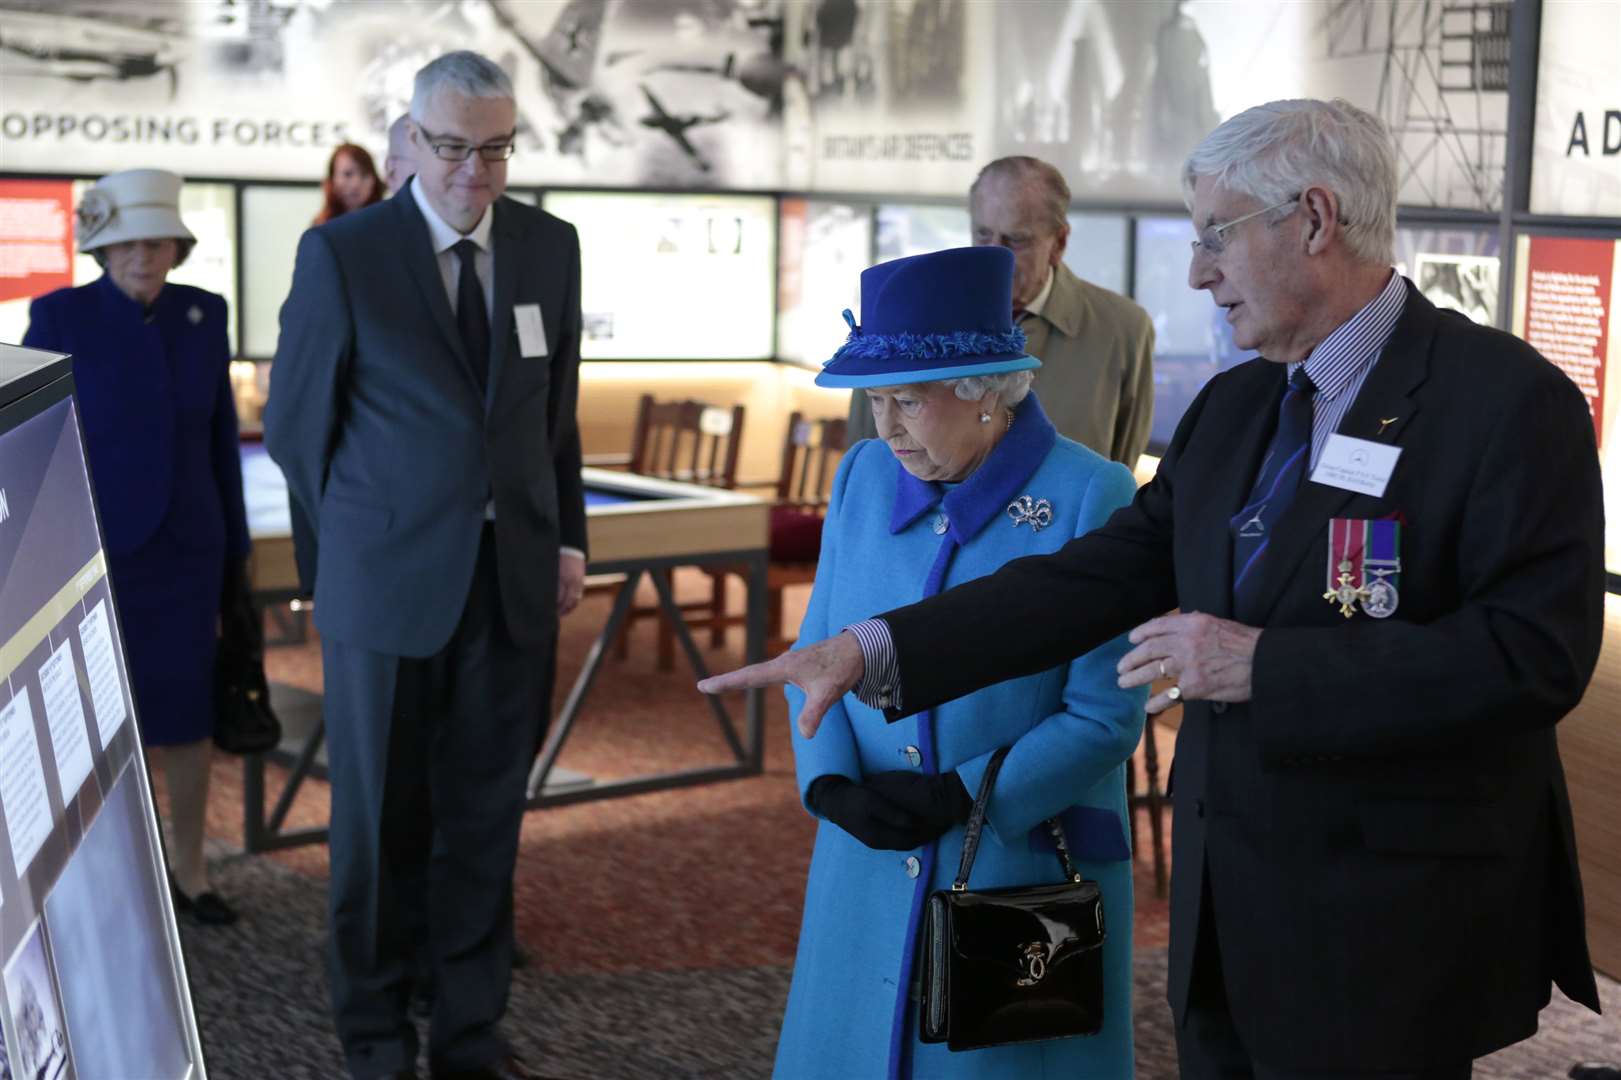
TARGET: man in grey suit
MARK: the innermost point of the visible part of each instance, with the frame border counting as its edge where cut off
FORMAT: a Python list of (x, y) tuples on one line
[(1096, 347), (422, 408)]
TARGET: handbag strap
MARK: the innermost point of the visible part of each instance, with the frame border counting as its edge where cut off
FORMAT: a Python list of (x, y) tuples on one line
[(976, 825)]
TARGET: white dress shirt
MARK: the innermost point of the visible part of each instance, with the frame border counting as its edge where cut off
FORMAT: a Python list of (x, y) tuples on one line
[(444, 238)]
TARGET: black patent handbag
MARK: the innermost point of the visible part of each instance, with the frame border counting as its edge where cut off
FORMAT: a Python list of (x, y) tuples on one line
[(244, 722), (1011, 965)]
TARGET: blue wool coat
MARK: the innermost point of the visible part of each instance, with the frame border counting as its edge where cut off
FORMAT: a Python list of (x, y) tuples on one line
[(160, 434), (1070, 728)]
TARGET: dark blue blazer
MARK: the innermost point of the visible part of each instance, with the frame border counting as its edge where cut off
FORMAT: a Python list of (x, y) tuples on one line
[(1384, 826), (377, 420), (159, 420)]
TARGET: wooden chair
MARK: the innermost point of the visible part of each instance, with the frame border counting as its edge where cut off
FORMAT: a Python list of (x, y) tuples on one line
[(1151, 799), (811, 451), (810, 457), (695, 443), (690, 441)]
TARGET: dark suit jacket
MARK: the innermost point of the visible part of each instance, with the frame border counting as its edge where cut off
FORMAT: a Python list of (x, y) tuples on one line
[(376, 419), (1383, 830)]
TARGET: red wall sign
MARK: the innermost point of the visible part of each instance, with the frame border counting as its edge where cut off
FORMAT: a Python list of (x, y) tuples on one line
[(36, 237), (1567, 317)]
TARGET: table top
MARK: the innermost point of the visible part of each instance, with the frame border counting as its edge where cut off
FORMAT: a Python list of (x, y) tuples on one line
[(607, 493)]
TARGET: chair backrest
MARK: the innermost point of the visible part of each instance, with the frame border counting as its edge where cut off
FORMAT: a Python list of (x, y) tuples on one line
[(810, 456), (690, 441)]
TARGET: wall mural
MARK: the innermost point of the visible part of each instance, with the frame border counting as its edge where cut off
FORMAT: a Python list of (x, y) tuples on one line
[(892, 96)]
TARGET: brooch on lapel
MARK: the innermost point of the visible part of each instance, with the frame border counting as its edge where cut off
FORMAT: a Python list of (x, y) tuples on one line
[(1364, 566), (1038, 512), (194, 315)]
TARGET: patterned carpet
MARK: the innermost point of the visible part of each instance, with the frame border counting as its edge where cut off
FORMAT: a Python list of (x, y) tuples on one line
[(689, 985), (261, 1005)]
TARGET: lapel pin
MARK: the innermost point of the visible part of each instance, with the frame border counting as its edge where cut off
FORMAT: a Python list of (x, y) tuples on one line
[(1386, 423), (195, 315)]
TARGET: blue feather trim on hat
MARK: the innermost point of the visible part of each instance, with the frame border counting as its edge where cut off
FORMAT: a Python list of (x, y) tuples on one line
[(863, 346)]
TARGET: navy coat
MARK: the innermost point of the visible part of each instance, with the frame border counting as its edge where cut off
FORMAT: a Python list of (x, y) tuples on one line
[(1070, 728), (154, 397)]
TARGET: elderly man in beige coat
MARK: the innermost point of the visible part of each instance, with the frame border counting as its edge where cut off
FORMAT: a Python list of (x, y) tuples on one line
[(1096, 347)]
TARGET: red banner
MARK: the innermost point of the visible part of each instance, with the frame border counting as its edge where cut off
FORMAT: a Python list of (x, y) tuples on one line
[(36, 237), (1567, 317)]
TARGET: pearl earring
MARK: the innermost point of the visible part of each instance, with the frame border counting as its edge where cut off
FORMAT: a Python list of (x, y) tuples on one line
[(984, 417)]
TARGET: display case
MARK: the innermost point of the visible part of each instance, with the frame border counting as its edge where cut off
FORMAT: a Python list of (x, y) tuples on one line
[(674, 277), (93, 984), (823, 247)]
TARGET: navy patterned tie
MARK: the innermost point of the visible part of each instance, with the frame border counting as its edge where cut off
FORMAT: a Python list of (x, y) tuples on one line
[(472, 321), (1281, 472)]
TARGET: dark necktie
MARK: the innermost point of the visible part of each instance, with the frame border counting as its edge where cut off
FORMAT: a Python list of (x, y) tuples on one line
[(472, 322), (1281, 472)]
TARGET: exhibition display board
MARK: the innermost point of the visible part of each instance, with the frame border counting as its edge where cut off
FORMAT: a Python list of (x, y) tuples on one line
[(674, 277), (822, 248), (1566, 289), (93, 983)]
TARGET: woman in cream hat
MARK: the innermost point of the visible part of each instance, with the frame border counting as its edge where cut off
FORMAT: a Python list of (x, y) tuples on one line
[(151, 360)]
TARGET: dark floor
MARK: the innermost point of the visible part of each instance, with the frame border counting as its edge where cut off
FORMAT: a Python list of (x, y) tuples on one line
[(694, 988)]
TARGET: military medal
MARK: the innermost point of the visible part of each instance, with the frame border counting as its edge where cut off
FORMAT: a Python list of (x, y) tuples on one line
[(1364, 566), (1345, 546), (1381, 568)]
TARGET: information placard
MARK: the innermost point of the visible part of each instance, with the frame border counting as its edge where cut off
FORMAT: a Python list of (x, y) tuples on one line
[(1565, 296)]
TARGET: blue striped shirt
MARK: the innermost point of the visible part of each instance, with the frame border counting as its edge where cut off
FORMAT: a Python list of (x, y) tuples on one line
[(1340, 363), (1338, 366)]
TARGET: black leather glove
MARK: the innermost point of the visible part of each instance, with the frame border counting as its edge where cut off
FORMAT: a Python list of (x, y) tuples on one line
[(867, 816), (939, 801)]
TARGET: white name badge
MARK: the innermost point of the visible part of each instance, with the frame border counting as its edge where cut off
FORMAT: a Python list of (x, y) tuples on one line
[(531, 330), (1356, 465)]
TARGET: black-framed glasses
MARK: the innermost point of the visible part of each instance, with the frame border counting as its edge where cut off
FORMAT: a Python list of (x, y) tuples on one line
[(448, 148), (1213, 239)]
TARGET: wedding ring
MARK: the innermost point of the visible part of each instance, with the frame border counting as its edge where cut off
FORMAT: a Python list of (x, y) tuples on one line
[(1174, 693), (1162, 673)]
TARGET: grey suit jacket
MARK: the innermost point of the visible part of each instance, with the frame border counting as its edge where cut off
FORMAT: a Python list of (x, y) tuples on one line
[(376, 419), (1096, 378)]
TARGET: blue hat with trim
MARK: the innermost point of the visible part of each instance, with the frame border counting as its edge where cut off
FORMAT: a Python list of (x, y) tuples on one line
[(944, 315)]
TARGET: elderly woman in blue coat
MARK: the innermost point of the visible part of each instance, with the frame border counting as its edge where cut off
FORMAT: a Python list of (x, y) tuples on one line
[(967, 473), (151, 360)]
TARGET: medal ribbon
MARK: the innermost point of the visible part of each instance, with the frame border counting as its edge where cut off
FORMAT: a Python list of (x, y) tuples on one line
[(1384, 546), (1347, 543)]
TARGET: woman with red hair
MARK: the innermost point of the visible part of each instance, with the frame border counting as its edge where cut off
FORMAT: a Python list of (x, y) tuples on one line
[(351, 182)]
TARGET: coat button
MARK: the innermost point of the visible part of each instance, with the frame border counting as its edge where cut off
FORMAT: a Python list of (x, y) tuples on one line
[(913, 866), (914, 756), (1218, 707), (941, 524)]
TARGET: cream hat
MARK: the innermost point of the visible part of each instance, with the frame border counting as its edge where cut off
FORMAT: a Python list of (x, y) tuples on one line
[(136, 204)]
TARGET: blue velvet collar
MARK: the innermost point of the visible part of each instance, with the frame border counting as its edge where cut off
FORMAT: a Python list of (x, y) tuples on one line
[(972, 504)]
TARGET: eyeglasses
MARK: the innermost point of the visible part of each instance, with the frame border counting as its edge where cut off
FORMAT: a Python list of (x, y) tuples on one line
[(447, 148), (1213, 240)]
